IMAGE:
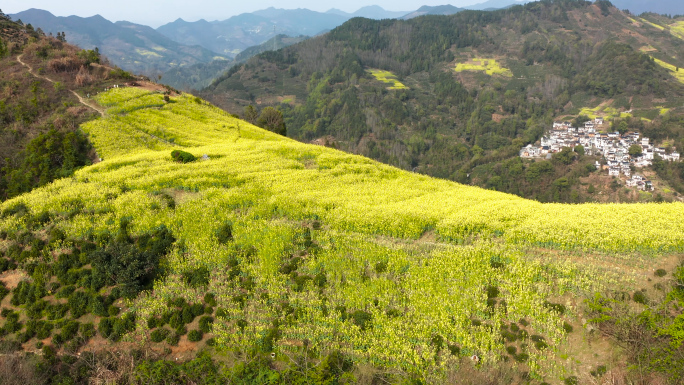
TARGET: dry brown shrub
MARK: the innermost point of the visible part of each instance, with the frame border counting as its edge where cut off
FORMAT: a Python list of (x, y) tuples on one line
[(83, 78), (65, 64)]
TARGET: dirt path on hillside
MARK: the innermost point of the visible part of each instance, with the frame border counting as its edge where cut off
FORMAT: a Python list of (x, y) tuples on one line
[(83, 101)]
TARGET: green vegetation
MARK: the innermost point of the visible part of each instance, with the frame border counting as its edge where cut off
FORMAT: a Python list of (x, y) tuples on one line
[(304, 251), (465, 126), (182, 156), (293, 263)]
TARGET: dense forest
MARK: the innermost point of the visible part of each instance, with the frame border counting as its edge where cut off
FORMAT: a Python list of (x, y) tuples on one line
[(562, 56)]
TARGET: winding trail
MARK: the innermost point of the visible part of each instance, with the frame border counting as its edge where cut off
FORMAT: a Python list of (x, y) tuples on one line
[(83, 101)]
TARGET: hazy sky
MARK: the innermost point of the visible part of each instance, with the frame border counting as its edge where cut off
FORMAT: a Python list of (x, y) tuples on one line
[(158, 12)]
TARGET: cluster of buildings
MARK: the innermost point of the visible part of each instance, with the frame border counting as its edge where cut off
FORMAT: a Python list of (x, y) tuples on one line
[(612, 146)]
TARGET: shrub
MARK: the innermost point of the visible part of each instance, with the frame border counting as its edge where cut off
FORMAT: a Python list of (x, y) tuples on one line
[(113, 310), (177, 302), (522, 357), (152, 322), (197, 309), (492, 292), (195, 335), (187, 315), (511, 350), (362, 319), (182, 156), (69, 330), (196, 277), (78, 304), (210, 299), (224, 234), (380, 267), (87, 330), (660, 273), (572, 380), (567, 327), (159, 335), (205, 324), (176, 320), (640, 297)]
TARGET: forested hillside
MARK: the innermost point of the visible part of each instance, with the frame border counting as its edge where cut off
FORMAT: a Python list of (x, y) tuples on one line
[(45, 83), (475, 87)]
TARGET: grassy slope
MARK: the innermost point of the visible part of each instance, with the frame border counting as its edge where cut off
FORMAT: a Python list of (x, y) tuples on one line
[(272, 188)]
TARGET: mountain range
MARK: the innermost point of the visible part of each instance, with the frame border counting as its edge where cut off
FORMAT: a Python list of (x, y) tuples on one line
[(180, 44), (134, 47)]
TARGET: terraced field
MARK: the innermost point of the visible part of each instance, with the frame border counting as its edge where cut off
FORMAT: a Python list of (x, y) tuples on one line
[(489, 66)]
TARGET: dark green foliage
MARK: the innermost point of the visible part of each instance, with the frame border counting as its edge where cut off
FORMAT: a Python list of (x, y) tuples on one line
[(115, 328), (187, 315), (176, 320), (159, 335), (572, 380), (56, 311), (132, 265), (380, 267), (202, 370), (197, 309), (51, 155), (90, 56), (195, 335), (153, 321), (177, 302), (492, 292), (522, 357), (210, 299), (27, 292), (196, 277), (600, 371), (272, 120), (55, 235), (660, 273), (121, 74), (320, 280), (78, 304), (182, 156), (640, 297), (205, 324), (113, 310), (224, 234), (362, 319), (567, 327), (511, 350), (3, 290)]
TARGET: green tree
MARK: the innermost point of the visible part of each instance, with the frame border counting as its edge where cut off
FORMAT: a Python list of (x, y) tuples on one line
[(579, 150), (272, 120), (622, 127), (635, 150), (250, 114)]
